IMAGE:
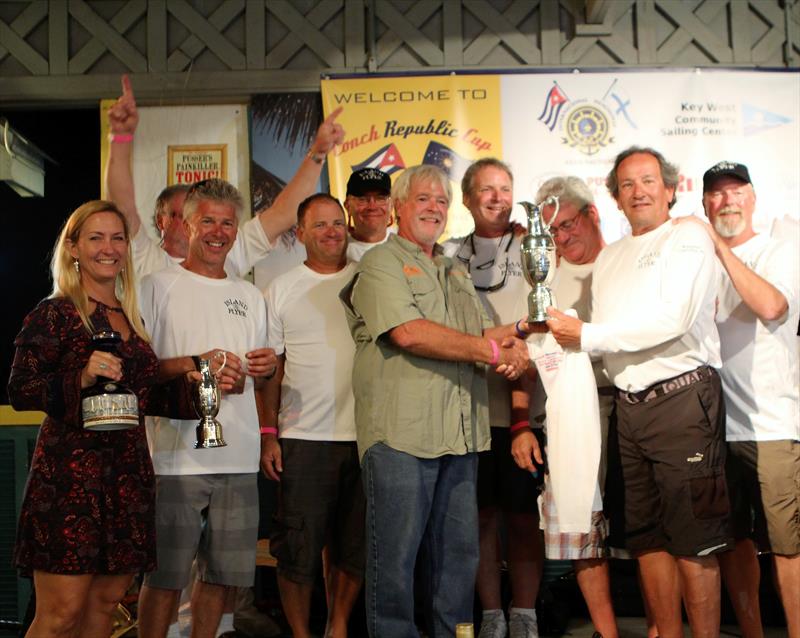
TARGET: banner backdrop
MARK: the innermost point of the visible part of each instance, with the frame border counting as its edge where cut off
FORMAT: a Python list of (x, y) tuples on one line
[(546, 124)]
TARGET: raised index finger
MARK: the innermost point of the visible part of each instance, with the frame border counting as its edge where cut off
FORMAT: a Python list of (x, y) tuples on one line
[(332, 117), (127, 88)]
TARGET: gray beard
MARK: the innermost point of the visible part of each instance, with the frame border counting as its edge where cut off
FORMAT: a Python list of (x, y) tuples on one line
[(728, 226)]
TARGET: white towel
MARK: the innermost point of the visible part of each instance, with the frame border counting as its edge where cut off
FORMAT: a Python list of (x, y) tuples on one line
[(573, 431)]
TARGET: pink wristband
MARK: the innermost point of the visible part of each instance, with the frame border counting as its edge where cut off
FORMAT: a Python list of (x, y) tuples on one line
[(519, 425), (268, 431), (495, 352), (120, 138)]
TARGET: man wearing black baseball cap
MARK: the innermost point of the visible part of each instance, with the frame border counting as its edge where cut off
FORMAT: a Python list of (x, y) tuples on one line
[(757, 316), (368, 204)]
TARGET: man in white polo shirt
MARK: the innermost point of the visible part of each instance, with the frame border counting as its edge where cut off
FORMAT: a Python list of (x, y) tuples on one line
[(653, 305)]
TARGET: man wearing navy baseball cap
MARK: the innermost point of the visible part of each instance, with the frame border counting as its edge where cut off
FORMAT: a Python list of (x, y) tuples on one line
[(369, 205), (756, 318)]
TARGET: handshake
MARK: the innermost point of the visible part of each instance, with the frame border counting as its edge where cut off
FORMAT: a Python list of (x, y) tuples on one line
[(510, 357)]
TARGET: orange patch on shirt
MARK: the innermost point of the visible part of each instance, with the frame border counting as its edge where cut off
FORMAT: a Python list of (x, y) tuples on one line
[(411, 271)]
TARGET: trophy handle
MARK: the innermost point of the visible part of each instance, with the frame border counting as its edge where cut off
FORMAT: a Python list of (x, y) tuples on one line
[(552, 200)]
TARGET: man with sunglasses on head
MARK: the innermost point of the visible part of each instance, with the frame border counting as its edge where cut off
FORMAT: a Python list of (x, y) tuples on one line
[(369, 210), (491, 254)]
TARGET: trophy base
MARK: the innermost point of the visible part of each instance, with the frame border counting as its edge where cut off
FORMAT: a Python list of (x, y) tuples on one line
[(209, 435), (109, 407), (539, 300)]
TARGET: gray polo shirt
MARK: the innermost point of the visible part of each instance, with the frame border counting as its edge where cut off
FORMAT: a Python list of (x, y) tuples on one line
[(421, 406)]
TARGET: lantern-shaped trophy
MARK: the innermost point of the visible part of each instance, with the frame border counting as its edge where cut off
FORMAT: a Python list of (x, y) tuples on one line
[(108, 405)]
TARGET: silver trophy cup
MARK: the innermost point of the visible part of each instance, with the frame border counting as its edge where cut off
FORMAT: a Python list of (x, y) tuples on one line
[(206, 403), (539, 259)]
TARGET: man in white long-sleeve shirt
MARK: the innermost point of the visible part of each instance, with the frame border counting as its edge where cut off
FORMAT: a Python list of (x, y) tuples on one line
[(653, 304), (757, 317)]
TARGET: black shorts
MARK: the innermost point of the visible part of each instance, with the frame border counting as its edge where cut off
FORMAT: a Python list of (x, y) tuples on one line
[(501, 482), (669, 442), (320, 502)]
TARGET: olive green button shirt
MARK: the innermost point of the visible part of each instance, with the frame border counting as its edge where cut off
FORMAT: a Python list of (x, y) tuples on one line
[(421, 406)]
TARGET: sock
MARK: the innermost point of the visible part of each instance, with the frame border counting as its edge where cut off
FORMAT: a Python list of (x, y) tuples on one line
[(522, 611)]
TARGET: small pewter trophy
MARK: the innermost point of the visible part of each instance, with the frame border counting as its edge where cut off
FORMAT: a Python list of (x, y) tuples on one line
[(206, 403), (108, 405), (539, 259)]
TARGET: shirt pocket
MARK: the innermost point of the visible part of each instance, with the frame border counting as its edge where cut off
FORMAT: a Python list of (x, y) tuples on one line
[(466, 305), (427, 297)]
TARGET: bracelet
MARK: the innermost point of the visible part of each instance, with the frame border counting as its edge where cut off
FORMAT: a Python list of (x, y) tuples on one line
[(495, 353), (520, 333), (265, 430), (520, 425), (317, 158), (120, 138)]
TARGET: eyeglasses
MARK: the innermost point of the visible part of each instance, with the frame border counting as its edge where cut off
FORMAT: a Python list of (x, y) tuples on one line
[(486, 265), (566, 226), (363, 200)]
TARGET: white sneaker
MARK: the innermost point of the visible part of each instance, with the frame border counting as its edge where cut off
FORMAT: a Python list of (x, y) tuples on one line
[(522, 624), (493, 625)]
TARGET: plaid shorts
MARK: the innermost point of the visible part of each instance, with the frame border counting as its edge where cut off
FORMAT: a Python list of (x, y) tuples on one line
[(211, 516), (570, 546)]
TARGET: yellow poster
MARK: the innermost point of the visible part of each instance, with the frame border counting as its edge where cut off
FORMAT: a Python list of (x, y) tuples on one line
[(395, 122)]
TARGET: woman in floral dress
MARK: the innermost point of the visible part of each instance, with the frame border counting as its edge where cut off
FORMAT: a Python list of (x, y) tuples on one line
[(87, 522)]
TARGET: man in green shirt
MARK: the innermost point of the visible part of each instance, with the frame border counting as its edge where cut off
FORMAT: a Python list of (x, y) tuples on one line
[(423, 342)]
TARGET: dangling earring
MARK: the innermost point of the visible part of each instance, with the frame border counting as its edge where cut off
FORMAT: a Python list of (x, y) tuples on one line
[(77, 266)]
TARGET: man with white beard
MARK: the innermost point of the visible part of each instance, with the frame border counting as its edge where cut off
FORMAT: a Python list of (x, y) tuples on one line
[(757, 317)]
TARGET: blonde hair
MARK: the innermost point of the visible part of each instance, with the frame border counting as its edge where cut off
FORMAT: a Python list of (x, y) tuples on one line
[(67, 280)]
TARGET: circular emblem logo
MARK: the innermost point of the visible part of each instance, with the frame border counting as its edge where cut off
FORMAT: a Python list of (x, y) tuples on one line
[(588, 128)]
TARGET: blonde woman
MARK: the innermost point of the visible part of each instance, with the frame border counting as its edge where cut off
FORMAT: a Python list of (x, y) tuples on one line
[(87, 520)]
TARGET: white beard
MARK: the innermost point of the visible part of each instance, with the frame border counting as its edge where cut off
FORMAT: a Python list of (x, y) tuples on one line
[(730, 225)]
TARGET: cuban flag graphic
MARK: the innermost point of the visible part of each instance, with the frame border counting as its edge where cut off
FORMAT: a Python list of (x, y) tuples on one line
[(386, 159), (553, 104)]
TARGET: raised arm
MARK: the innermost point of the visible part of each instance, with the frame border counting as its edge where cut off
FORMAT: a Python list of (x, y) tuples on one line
[(761, 296), (123, 118), (282, 215)]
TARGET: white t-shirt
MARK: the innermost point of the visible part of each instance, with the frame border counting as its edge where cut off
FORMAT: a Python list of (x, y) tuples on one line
[(760, 370), (188, 314), (356, 248), (653, 304), (495, 258), (251, 245), (307, 323)]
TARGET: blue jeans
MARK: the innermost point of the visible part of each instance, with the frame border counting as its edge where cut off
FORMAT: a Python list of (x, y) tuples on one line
[(427, 506)]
